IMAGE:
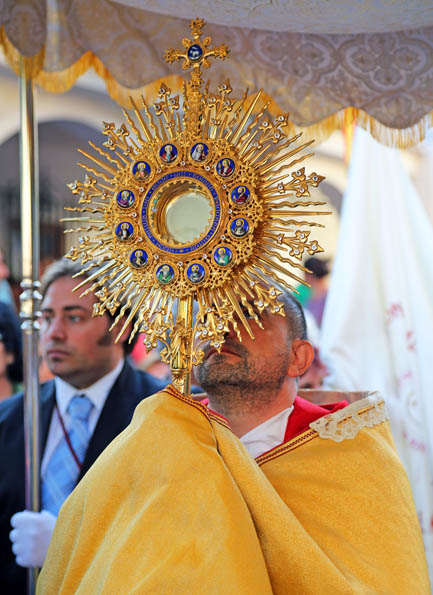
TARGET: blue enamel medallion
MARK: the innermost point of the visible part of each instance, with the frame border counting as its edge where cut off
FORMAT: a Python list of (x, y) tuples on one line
[(195, 52)]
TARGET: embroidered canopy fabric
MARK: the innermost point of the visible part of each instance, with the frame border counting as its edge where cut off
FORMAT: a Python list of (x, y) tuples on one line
[(313, 59)]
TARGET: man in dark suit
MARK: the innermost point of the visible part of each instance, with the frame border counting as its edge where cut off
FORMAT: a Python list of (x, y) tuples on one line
[(92, 375)]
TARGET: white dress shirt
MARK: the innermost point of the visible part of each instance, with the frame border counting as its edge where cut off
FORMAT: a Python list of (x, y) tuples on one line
[(268, 434), (97, 393)]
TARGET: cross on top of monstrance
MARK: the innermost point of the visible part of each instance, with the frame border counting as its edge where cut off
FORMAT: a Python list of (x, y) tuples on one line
[(196, 54), (200, 208)]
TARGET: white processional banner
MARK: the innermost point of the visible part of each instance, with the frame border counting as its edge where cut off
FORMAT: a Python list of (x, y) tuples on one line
[(377, 331)]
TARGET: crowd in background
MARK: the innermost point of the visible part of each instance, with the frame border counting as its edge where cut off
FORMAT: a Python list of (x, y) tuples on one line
[(11, 365)]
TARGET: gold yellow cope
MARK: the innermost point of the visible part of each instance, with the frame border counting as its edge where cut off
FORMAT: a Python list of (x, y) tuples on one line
[(193, 199)]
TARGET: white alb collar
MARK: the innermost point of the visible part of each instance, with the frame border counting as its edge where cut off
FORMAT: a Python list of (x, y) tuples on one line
[(268, 434)]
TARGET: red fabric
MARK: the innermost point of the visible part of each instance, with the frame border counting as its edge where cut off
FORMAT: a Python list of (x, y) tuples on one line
[(304, 413)]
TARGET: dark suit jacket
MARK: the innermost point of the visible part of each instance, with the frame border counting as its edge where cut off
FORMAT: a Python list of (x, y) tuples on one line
[(129, 389)]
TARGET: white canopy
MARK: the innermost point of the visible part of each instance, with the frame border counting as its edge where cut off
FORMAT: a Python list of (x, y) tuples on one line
[(300, 16)]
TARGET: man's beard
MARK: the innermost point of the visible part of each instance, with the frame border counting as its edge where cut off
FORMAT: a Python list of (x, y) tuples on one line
[(245, 385)]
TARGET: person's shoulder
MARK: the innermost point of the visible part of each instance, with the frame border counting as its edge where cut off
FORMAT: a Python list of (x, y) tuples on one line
[(144, 381), (13, 405), (346, 430), (152, 381)]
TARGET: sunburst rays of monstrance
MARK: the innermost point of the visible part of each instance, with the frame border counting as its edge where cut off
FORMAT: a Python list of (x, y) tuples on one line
[(193, 200)]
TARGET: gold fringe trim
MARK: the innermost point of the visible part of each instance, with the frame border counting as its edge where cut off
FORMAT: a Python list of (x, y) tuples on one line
[(63, 80), (33, 64), (401, 138)]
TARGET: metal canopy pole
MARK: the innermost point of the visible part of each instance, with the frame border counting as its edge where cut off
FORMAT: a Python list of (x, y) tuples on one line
[(30, 297)]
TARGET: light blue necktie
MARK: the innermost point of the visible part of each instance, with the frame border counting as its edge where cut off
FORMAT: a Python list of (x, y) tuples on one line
[(62, 469)]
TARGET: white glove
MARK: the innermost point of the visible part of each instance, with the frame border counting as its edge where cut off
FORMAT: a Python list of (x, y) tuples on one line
[(31, 536)]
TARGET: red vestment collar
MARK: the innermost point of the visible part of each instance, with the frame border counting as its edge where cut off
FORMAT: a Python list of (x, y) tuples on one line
[(305, 412)]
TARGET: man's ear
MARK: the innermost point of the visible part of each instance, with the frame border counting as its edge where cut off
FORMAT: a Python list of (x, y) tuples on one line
[(301, 357)]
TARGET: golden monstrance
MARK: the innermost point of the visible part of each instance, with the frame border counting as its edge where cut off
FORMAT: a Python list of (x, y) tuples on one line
[(193, 200)]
